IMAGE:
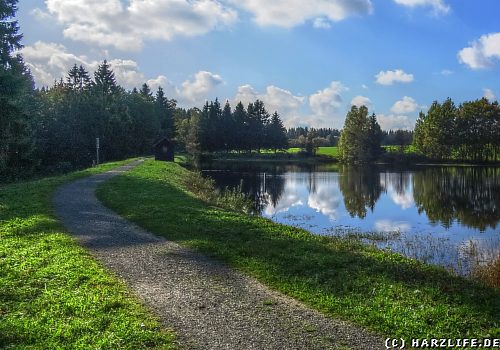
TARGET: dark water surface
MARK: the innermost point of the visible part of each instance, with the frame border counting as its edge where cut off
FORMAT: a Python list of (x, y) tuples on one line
[(445, 215)]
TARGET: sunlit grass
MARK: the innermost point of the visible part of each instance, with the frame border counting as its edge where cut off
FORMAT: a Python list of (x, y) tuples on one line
[(53, 294), (386, 292)]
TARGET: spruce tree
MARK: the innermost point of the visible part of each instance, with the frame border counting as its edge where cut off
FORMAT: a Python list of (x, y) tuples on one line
[(16, 97)]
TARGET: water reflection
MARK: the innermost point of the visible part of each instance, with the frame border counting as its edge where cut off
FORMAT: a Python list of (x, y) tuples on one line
[(450, 209), (470, 195), (361, 188)]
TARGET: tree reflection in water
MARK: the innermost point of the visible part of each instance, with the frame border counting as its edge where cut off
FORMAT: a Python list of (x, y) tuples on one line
[(470, 195), (360, 187)]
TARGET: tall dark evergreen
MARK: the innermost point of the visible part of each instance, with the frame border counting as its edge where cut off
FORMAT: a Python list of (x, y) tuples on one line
[(16, 97), (165, 110), (276, 133)]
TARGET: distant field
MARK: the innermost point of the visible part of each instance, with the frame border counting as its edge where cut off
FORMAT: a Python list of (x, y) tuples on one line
[(324, 151)]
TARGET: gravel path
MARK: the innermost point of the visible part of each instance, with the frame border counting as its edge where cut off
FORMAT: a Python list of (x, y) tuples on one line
[(209, 305)]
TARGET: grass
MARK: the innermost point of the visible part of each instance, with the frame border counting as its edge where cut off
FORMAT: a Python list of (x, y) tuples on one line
[(322, 151), (53, 294), (386, 292)]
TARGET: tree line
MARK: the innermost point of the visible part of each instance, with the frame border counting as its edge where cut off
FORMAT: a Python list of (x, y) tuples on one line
[(469, 132), (221, 129), (56, 128)]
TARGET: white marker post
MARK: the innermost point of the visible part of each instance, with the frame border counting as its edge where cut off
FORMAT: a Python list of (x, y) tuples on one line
[(97, 149)]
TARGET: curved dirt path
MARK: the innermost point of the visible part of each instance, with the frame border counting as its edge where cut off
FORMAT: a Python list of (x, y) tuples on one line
[(210, 305)]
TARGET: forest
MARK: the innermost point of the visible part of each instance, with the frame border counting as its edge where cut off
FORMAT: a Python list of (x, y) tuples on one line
[(54, 129)]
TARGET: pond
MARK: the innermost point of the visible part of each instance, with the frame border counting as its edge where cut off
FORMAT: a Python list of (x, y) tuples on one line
[(445, 215)]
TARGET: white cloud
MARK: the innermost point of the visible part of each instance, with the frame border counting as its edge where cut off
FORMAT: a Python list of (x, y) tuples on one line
[(49, 62), (328, 101), (290, 13), (446, 72), (40, 15), (406, 105), (112, 23), (489, 94), (393, 122), (276, 99), (481, 53), (361, 101), (322, 23), (326, 106), (438, 6), (393, 76), (364, 86), (198, 89)]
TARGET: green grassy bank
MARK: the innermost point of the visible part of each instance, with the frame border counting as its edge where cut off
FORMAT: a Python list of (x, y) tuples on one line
[(53, 294), (385, 292)]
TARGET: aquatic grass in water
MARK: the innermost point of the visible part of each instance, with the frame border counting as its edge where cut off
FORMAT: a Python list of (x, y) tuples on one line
[(470, 260), (228, 198)]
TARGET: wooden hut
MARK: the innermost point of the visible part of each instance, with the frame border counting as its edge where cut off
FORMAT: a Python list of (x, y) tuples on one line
[(164, 150)]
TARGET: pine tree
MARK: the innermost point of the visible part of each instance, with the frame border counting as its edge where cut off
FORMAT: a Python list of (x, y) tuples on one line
[(16, 97), (10, 38), (145, 91), (241, 127), (104, 79), (276, 133)]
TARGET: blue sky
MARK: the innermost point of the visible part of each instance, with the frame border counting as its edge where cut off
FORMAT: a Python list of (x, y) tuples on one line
[(310, 60)]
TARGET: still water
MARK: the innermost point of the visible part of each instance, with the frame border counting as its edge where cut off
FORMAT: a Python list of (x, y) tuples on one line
[(443, 215)]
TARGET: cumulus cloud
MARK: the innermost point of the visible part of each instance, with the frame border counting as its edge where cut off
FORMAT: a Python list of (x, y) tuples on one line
[(489, 94), (361, 101), (290, 13), (394, 122), (482, 52), (328, 101), (393, 76), (438, 6), (406, 105), (198, 89), (112, 23), (39, 14), (49, 62), (276, 99)]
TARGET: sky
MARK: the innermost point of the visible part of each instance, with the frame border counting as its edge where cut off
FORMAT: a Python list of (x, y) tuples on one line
[(310, 60)]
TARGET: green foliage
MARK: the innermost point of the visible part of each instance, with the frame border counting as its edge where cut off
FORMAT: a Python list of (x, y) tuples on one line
[(385, 292), (470, 132), (361, 137), (53, 294), (16, 99), (243, 129)]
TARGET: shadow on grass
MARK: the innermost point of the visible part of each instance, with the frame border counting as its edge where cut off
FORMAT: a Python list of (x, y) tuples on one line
[(386, 292)]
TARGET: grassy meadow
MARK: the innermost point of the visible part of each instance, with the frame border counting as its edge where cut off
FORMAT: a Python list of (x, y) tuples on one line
[(53, 294), (385, 292)]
